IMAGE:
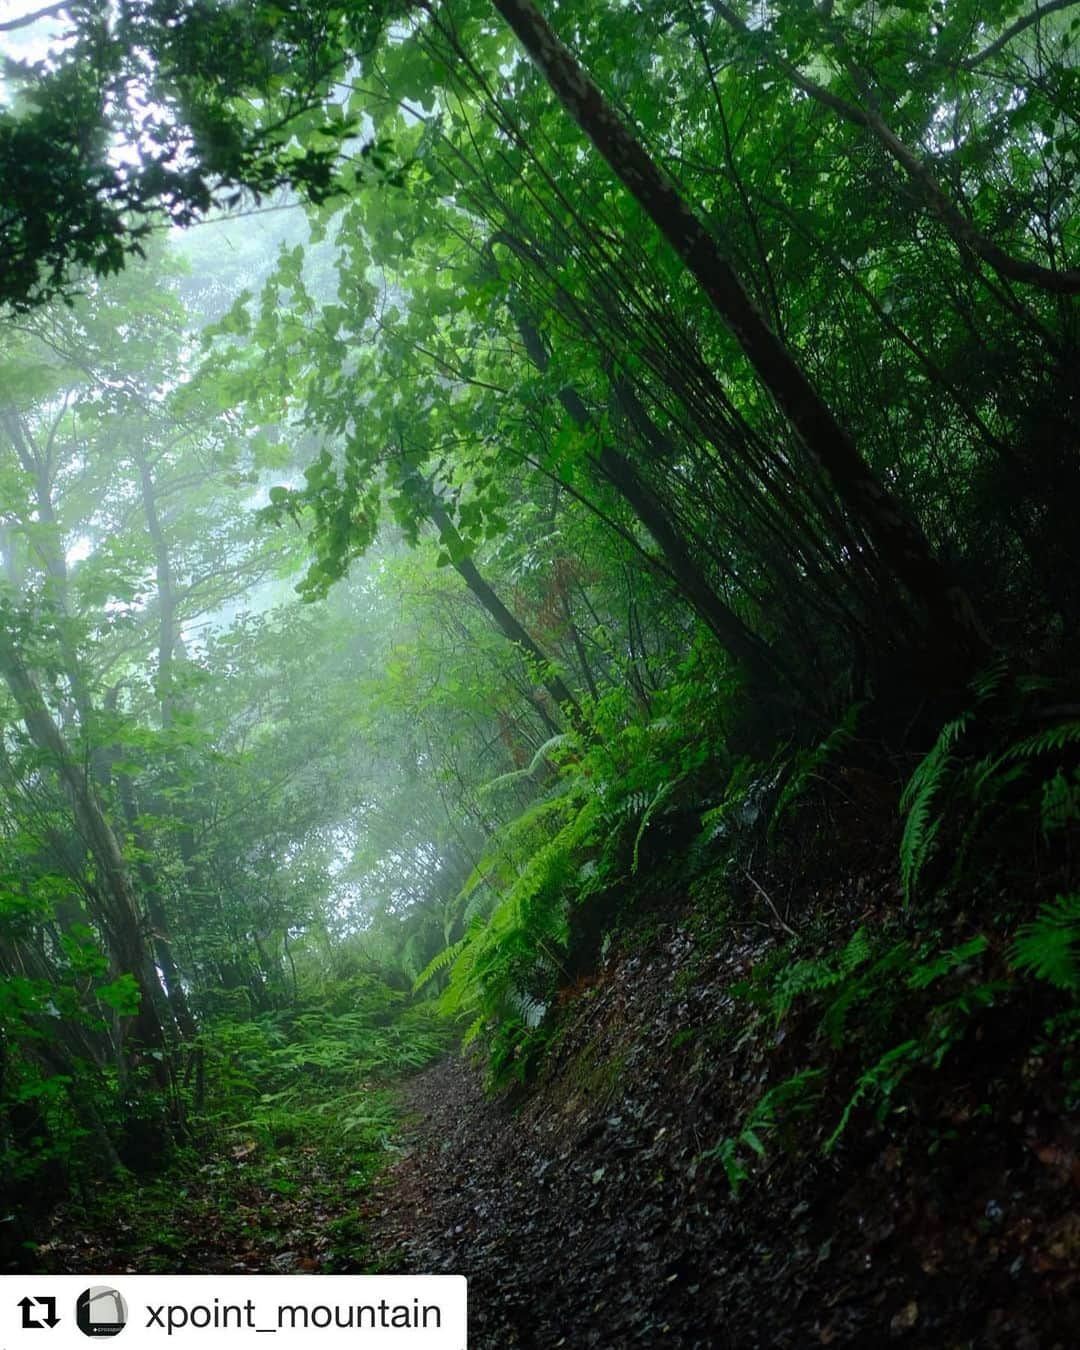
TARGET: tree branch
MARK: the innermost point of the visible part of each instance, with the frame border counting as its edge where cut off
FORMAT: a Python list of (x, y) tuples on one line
[(963, 232), (49, 12), (1014, 29)]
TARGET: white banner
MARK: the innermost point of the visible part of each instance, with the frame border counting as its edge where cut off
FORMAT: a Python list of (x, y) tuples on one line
[(300, 1312)]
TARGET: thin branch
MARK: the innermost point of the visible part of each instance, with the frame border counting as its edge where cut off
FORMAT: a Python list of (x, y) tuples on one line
[(964, 233), (1014, 29), (769, 901), (49, 12)]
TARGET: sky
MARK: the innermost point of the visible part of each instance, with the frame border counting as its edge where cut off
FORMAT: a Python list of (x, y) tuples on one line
[(31, 43)]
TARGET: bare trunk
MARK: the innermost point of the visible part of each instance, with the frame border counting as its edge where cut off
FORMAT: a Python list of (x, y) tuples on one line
[(167, 626), (507, 622)]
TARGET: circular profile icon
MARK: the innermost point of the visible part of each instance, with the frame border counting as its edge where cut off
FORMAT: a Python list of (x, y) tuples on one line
[(101, 1311)]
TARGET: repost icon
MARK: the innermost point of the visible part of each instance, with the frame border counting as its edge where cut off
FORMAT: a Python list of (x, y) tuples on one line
[(235, 1312)]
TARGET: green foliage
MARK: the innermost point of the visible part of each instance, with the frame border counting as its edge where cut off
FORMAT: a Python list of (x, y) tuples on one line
[(779, 1107), (1060, 804), (926, 972), (740, 808), (582, 839), (506, 966), (918, 1003), (200, 141), (816, 976), (806, 765), (561, 741), (311, 1076), (888, 981), (461, 402), (122, 995), (926, 784), (880, 1080), (643, 810), (1013, 781), (1049, 946)]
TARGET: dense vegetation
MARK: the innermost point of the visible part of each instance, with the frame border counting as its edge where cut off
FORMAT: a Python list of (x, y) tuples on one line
[(545, 486)]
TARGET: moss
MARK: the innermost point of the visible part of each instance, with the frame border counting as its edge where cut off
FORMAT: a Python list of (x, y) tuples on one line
[(594, 1076)]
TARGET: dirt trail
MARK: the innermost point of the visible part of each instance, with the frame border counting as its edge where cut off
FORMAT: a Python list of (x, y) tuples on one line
[(588, 1213), (584, 1216)]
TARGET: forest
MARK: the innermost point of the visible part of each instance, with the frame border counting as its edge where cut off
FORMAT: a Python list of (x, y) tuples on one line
[(539, 658)]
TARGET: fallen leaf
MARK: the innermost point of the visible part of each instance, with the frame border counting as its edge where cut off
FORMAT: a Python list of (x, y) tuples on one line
[(905, 1319)]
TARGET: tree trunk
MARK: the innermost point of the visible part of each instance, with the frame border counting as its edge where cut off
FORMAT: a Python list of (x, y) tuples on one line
[(155, 909), (743, 645), (166, 594), (507, 622), (120, 914), (36, 465), (898, 541)]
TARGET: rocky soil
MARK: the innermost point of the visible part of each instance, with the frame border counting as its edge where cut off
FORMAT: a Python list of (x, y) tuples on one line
[(585, 1214)]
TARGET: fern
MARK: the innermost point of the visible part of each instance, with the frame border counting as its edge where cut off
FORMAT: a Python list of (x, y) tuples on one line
[(727, 1154), (542, 755), (440, 962), (513, 844), (988, 783), (924, 975), (504, 970), (531, 1010), (949, 1020), (996, 771), (410, 957), (475, 1027), (881, 1080), (869, 983), (808, 764), (475, 905), (816, 976), (793, 1097), (1051, 741), (1049, 946), (658, 796), (918, 798), (747, 784), (1060, 804)]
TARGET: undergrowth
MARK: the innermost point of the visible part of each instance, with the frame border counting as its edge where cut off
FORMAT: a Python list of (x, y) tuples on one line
[(558, 882), (288, 1117), (877, 1008), (531, 904), (883, 1010), (307, 1074)]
